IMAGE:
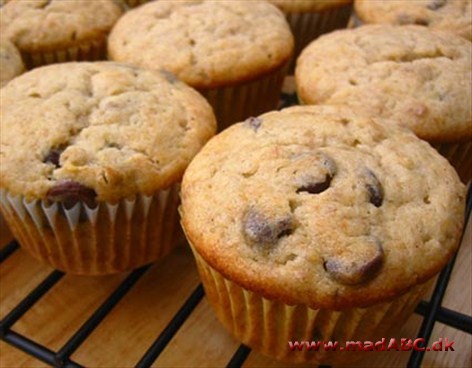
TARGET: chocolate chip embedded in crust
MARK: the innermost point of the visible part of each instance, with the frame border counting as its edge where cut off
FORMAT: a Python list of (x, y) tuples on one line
[(358, 267), (69, 193), (258, 229), (54, 156), (436, 4), (317, 187), (254, 123), (374, 188)]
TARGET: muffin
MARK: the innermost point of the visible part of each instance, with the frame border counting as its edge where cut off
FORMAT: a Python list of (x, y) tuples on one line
[(453, 16), (52, 31), (315, 223), (309, 19), (411, 75), (234, 52), (92, 155), (11, 64)]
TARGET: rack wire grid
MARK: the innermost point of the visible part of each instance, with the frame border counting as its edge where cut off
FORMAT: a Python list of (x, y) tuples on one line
[(431, 312)]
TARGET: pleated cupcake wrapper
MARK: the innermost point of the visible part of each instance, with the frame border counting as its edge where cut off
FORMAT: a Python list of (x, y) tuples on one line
[(106, 239), (87, 51), (236, 103), (459, 155), (308, 26), (267, 326)]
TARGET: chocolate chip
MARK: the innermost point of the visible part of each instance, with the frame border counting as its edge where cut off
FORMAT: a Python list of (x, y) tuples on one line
[(260, 230), (170, 77), (436, 4), (316, 188), (69, 193), (374, 188), (54, 156), (254, 123), (329, 166), (421, 22), (358, 267)]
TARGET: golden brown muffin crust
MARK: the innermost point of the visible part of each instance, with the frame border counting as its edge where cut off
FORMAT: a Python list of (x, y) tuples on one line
[(323, 207), (11, 64), (114, 129), (48, 25), (207, 44), (417, 77), (448, 15)]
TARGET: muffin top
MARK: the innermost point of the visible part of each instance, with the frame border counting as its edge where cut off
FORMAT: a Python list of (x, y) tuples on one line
[(295, 6), (101, 130), (419, 78), (207, 44), (317, 205), (453, 15), (44, 25), (11, 64)]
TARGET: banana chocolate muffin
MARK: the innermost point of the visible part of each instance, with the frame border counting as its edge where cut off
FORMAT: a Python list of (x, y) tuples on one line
[(317, 223), (412, 75), (52, 31), (448, 15), (234, 52), (91, 159)]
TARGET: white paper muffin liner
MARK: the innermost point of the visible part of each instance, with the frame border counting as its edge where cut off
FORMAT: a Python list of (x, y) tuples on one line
[(233, 104), (267, 325), (106, 239), (308, 26), (459, 156), (87, 51)]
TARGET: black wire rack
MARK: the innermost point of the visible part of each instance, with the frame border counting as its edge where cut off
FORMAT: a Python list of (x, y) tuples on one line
[(431, 311)]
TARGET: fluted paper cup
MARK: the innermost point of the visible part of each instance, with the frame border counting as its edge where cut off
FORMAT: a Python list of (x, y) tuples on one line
[(268, 325), (108, 238), (233, 104), (308, 26), (87, 51)]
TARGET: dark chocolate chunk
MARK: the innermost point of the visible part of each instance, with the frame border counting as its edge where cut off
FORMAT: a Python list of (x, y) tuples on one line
[(321, 186), (316, 188), (260, 230), (374, 188), (254, 123), (436, 4), (358, 271), (69, 193), (54, 156)]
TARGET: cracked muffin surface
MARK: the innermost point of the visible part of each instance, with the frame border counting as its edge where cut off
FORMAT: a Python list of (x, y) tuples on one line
[(45, 25), (207, 44), (448, 15), (419, 78), (318, 205), (98, 131)]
